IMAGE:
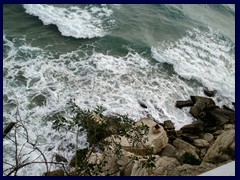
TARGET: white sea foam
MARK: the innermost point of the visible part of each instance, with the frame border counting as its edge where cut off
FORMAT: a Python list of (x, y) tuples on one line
[(117, 83), (205, 56), (88, 22)]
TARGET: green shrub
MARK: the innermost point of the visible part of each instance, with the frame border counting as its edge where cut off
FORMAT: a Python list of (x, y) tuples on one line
[(188, 158)]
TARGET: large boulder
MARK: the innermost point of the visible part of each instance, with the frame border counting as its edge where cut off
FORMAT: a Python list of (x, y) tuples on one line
[(170, 129), (223, 148), (195, 127), (156, 139), (219, 116), (180, 144), (183, 147), (169, 151), (162, 166), (200, 104)]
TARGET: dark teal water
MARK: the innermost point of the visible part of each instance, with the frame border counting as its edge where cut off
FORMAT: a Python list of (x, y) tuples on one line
[(115, 56)]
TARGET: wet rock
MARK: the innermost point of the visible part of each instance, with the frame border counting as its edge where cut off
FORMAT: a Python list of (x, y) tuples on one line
[(170, 129), (181, 104), (200, 104), (209, 93), (193, 128), (38, 100), (142, 105), (168, 125), (220, 116), (227, 108)]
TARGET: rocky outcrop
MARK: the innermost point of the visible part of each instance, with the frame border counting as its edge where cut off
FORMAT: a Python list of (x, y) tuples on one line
[(195, 127), (162, 166), (200, 103), (223, 148), (160, 150)]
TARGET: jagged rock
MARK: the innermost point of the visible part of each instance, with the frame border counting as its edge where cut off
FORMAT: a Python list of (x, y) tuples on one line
[(191, 170), (201, 143), (223, 148), (206, 100), (95, 158), (138, 169), (218, 132), (162, 166), (209, 93), (58, 172), (183, 147), (187, 103), (202, 152), (228, 126), (170, 129), (220, 116), (227, 108), (8, 128), (169, 151), (193, 128), (157, 139), (60, 158), (180, 144), (200, 104), (208, 137), (126, 162), (168, 125), (209, 129)]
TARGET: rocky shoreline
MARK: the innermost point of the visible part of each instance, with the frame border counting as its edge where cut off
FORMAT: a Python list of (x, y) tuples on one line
[(206, 143)]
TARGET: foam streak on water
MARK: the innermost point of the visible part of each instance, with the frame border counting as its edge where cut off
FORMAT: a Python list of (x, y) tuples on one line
[(204, 56), (88, 22)]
